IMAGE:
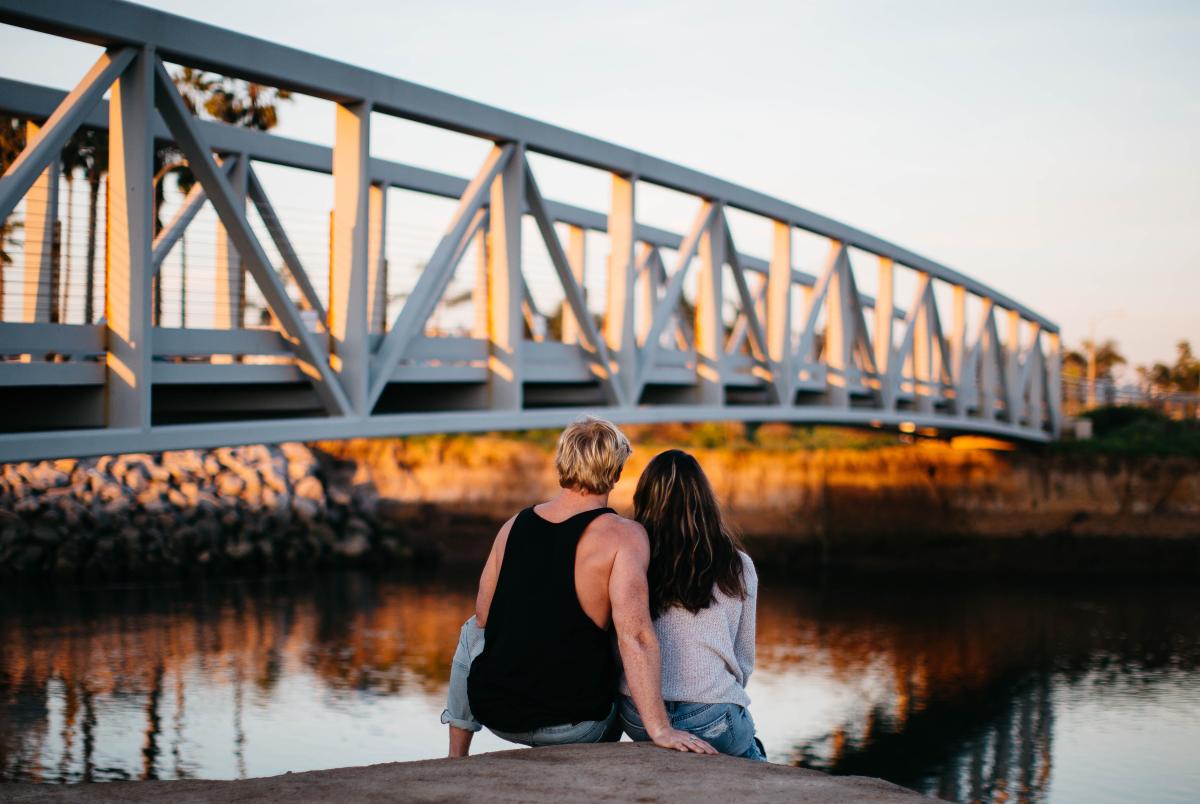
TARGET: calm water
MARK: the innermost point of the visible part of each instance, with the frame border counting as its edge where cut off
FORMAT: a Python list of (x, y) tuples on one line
[(971, 693)]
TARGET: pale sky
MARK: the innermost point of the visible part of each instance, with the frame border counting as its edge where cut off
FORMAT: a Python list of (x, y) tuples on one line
[(1049, 149)]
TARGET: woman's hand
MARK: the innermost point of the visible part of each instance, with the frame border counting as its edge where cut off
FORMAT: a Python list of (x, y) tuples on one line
[(681, 741)]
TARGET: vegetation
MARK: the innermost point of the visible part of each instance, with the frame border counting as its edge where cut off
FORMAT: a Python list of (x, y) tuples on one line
[(1135, 430), (1181, 377), (12, 142), (1106, 354)]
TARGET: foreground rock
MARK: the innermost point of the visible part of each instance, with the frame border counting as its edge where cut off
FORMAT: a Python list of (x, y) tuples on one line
[(617, 772)]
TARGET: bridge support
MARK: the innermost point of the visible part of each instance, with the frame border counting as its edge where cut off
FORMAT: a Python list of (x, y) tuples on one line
[(127, 306), (349, 302), (505, 284)]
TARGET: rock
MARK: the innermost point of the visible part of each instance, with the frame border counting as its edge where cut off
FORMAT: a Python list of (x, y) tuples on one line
[(29, 560), (309, 488), (354, 546), (300, 460), (114, 516), (191, 493), (238, 549), (611, 771), (46, 535), (306, 510), (229, 484), (337, 495)]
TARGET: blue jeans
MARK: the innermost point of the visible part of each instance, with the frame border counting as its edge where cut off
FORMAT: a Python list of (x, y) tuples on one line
[(458, 706), (726, 727)]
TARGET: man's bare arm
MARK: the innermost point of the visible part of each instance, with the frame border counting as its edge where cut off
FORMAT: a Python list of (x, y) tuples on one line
[(637, 641), (491, 574)]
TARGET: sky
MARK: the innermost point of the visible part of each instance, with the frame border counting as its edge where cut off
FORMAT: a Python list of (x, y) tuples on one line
[(1049, 149)]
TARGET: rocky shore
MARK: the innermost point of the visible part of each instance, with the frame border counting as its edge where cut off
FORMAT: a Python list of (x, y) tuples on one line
[(252, 508), (612, 772)]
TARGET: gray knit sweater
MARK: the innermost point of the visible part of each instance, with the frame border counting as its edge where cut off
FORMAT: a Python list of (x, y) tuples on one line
[(707, 657)]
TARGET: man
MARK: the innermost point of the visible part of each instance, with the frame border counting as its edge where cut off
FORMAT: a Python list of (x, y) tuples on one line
[(535, 663)]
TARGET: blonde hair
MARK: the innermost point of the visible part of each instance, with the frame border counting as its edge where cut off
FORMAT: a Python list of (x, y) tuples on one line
[(591, 453)]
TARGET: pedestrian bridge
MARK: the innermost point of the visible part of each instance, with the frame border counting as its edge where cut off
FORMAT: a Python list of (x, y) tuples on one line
[(677, 297)]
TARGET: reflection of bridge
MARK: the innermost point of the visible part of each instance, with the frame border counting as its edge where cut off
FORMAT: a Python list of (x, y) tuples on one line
[(736, 338)]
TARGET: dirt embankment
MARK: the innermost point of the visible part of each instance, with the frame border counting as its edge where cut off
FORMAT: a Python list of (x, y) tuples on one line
[(613, 772), (928, 506)]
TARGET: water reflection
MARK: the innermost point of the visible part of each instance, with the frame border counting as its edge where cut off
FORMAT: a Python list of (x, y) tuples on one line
[(970, 694)]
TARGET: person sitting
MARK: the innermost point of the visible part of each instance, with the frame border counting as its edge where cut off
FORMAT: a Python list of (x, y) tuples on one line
[(703, 594)]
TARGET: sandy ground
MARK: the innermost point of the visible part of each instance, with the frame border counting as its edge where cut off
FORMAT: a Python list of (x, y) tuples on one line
[(616, 772)]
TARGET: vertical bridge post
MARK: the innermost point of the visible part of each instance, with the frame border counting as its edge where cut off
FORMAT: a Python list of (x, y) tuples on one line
[(348, 307), (506, 326), (619, 317), (131, 227)]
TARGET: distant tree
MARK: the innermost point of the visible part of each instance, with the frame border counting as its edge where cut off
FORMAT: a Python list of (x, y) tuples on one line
[(1181, 377), (12, 142), (220, 98), (94, 149), (1107, 356), (74, 160)]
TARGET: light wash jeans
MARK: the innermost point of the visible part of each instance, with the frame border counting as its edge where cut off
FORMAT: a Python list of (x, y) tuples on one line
[(458, 707), (726, 727)]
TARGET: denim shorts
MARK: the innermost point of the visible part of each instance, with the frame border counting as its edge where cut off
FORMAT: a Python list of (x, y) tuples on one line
[(458, 705), (726, 727)]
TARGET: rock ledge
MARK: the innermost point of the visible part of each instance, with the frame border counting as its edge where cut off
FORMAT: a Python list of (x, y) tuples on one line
[(615, 772)]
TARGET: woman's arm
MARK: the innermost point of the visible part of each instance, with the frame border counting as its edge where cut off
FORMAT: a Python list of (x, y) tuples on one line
[(743, 645)]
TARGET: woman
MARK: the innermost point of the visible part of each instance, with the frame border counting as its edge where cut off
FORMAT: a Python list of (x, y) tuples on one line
[(703, 590)]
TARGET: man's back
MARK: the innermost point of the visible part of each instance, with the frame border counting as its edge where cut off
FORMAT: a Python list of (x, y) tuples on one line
[(548, 656)]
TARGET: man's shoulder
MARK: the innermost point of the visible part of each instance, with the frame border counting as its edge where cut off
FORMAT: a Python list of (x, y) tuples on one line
[(617, 530)]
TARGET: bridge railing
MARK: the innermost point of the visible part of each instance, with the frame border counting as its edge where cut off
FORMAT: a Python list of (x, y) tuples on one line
[(678, 323)]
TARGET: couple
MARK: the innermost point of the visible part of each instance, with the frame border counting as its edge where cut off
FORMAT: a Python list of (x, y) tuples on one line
[(536, 663)]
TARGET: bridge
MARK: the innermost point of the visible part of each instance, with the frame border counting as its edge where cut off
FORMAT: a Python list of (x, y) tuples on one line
[(720, 317)]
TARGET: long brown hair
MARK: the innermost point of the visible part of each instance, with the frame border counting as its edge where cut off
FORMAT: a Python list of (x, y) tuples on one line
[(693, 551)]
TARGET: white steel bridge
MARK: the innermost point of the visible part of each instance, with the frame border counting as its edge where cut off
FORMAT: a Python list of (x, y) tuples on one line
[(668, 325)]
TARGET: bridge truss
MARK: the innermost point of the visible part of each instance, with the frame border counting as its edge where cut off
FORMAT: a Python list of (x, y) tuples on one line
[(691, 326)]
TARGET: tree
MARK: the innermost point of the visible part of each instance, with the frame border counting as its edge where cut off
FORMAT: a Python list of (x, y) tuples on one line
[(12, 142), (1182, 377), (74, 161), (1106, 354), (91, 148), (215, 97)]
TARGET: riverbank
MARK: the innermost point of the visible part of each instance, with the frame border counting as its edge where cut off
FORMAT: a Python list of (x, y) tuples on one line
[(863, 506), (615, 772)]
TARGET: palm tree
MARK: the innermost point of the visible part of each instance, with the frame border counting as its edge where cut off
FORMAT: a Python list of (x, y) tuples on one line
[(227, 100), (1182, 377), (74, 159), (1093, 363), (93, 146), (12, 142)]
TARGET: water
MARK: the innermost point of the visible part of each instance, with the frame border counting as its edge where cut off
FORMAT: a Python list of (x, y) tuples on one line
[(974, 692)]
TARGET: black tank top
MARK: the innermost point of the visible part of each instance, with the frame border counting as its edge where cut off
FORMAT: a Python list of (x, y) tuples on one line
[(544, 662)]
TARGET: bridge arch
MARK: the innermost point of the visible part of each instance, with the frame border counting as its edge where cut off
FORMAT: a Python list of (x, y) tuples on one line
[(678, 325)]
